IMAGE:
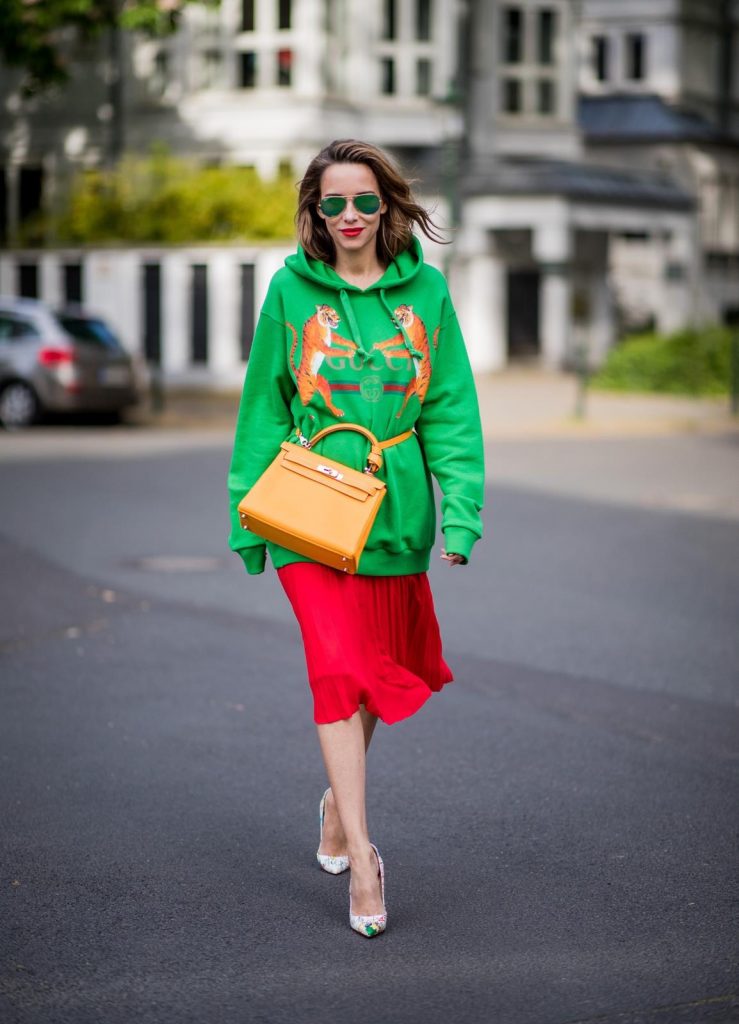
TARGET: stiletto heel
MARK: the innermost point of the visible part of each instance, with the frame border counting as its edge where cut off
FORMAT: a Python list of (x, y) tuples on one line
[(370, 925), (334, 865)]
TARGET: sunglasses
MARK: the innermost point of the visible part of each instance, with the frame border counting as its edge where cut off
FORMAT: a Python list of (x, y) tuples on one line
[(365, 202)]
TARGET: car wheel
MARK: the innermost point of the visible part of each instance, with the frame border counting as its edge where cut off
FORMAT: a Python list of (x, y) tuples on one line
[(18, 406)]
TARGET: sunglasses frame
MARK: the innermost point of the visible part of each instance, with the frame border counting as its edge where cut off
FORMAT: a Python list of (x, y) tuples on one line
[(345, 199)]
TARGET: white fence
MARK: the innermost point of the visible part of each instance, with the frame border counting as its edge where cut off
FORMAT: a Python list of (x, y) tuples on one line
[(189, 310)]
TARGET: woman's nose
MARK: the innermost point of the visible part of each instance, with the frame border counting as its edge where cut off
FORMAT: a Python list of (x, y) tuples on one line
[(350, 213)]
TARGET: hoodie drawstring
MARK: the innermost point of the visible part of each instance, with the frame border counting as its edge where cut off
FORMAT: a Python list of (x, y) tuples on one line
[(354, 325), (375, 358), (412, 350)]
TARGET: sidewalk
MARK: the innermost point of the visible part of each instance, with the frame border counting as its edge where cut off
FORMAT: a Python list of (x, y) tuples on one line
[(517, 402), (536, 403)]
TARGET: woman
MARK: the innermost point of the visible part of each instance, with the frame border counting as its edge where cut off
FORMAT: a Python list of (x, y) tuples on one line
[(356, 328)]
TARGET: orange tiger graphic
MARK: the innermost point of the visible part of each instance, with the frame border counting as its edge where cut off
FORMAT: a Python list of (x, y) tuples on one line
[(318, 341), (416, 331)]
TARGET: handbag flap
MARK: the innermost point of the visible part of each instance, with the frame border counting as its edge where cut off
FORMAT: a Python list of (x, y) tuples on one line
[(333, 474)]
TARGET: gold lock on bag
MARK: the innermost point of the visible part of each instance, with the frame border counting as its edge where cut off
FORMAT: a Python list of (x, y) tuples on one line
[(315, 506)]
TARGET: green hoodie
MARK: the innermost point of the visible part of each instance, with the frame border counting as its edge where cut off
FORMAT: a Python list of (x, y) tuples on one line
[(389, 357)]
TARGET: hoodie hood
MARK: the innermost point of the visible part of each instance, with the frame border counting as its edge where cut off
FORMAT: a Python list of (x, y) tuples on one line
[(401, 271)]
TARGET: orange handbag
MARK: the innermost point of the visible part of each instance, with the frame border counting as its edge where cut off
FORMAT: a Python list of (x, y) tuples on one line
[(315, 506)]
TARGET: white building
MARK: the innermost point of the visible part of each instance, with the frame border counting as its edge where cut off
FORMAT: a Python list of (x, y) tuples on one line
[(659, 89), (584, 150)]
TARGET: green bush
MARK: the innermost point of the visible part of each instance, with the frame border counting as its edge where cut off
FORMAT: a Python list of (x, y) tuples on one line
[(689, 362), (169, 200)]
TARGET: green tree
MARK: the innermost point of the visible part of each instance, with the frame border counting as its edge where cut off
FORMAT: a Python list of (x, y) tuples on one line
[(35, 34), (168, 200)]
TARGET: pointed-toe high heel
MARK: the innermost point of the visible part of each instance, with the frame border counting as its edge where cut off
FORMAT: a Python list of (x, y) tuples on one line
[(370, 925), (334, 865)]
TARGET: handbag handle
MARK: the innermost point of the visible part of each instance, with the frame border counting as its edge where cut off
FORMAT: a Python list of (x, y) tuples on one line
[(374, 459)]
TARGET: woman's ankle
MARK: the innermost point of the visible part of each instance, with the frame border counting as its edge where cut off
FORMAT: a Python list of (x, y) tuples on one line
[(360, 852)]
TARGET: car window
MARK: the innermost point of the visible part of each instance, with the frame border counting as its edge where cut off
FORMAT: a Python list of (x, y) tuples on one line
[(12, 327), (90, 331)]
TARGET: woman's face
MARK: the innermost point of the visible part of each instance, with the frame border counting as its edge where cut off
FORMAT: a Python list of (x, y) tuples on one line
[(352, 231)]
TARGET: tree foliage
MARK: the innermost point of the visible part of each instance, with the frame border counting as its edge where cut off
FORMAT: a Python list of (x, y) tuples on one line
[(688, 362), (165, 199), (35, 34)]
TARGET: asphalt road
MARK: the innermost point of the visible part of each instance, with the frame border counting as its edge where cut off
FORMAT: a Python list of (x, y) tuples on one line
[(559, 826)]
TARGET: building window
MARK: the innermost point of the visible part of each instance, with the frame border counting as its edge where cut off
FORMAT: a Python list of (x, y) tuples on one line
[(512, 35), (30, 192), (600, 57), (547, 27), (247, 15), (3, 206), (511, 95), (423, 19), (423, 77), (284, 14), (389, 19), (387, 83), (246, 309), (152, 310), (284, 67), (72, 282), (210, 67), (545, 95), (636, 55), (247, 70), (199, 313), (27, 280), (159, 74)]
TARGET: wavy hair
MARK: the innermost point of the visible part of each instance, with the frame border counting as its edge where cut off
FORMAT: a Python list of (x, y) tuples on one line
[(396, 225)]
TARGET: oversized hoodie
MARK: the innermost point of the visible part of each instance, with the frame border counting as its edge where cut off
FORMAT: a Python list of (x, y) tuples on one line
[(390, 357)]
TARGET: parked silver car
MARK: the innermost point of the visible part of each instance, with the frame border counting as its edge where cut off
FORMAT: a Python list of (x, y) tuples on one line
[(60, 361)]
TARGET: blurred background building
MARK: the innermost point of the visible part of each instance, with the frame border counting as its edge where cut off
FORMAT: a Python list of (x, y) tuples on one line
[(582, 154)]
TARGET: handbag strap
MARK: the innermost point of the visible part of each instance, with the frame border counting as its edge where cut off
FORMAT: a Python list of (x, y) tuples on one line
[(374, 459)]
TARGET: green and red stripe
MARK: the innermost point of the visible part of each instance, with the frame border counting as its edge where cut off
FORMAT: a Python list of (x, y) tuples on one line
[(341, 385)]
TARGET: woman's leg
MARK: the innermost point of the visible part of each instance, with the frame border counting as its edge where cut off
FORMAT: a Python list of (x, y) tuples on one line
[(333, 843), (368, 725), (343, 749)]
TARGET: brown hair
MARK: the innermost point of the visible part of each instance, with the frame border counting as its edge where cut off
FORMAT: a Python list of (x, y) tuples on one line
[(396, 226)]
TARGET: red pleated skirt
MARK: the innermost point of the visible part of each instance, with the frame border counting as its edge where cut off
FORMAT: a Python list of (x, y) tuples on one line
[(371, 640)]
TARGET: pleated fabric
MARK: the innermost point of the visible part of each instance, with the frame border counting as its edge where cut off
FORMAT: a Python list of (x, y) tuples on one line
[(371, 640)]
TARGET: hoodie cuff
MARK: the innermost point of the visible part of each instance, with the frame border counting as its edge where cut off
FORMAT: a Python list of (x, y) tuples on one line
[(459, 541), (254, 559)]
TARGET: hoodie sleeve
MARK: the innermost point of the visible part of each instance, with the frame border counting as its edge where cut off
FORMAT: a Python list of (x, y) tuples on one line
[(264, 421), (450, 432)]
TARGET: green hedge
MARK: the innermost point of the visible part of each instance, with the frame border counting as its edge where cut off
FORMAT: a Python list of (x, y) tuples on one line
[(689, 362), (168, 200)]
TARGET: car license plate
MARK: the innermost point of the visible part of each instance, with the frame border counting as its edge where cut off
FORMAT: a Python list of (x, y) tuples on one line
[(114, 376)]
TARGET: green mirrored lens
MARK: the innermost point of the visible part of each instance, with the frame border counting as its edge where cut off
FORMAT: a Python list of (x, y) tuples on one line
[(332, 205), (367, 203)]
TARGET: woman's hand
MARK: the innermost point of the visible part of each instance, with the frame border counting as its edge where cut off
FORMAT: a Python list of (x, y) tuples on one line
[(452, 558)]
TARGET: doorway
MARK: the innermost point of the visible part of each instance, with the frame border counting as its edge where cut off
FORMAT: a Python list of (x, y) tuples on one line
[(523, 315)]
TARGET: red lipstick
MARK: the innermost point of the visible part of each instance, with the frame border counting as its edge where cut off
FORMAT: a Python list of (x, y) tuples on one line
[(351, 232)]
